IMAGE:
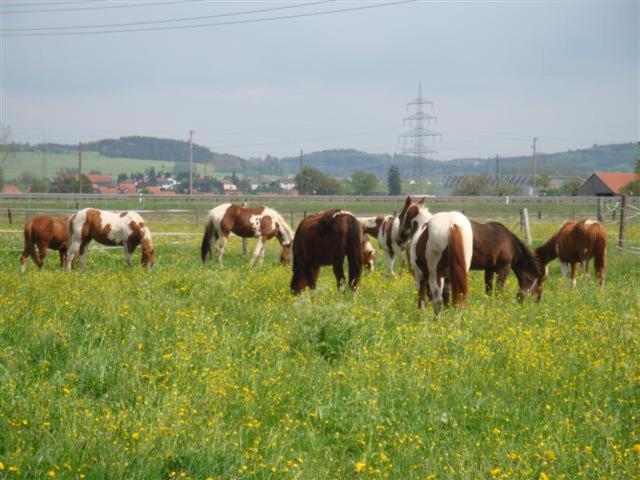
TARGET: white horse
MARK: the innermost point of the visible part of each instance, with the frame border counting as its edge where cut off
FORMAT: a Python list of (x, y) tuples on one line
[(431, 235), (261, 222), (108, 228)]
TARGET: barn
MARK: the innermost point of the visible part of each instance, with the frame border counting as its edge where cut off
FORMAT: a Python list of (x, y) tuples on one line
[(606, 184)]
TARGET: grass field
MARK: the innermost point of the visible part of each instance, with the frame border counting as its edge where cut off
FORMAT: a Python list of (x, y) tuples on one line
[(205, 372), (32, 162)]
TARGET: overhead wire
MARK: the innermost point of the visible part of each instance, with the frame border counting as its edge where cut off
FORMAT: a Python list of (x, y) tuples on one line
[(105, 7), (170, 20), (215, 24)]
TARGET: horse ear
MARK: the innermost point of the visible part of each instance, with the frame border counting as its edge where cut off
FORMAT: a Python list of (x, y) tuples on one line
[(422, 201), (407, 202)]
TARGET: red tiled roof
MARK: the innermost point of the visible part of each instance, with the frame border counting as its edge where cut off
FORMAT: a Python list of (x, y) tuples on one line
[(9, 188), (155, 190), (616, 181), (97, 178)]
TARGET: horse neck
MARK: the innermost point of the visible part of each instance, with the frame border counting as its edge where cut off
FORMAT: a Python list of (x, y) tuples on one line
[(423, 216), (547, 251), (285, 236)]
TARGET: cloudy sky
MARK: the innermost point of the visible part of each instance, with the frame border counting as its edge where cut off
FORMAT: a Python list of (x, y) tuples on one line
[(499, 73)]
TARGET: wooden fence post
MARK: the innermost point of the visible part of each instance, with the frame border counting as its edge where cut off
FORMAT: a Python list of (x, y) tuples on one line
[(600, 210), (292, 225), (197, 218), (623, 206), (527, 230), (9, 215)]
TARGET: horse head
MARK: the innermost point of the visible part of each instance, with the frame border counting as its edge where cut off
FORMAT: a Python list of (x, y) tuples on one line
[(148, 258), (285, 254), (368, 253), (407, 219)]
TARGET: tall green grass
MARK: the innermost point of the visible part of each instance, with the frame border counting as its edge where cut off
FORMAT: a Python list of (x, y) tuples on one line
[(204, 372)]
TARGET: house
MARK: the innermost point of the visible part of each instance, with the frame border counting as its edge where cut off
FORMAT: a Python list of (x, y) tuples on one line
[(9, 188), (127, 188), (100, 179), (228, 185), (606, 184), (155, 190), (284, 185)]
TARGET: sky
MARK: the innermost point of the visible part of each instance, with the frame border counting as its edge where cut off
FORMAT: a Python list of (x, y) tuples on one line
[(498, 73)]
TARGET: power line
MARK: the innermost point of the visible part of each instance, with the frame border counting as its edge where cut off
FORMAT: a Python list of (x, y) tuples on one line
[(21, 4), (201, 25), (106, 7), (185, 19)]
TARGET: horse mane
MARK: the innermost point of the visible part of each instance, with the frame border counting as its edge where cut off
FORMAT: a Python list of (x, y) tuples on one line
[(526, 258), (281, 221)]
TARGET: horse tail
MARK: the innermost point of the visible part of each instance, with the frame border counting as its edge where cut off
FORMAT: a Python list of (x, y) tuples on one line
[(354, 250), (600, 250), (457, 265), (29, 245), (205, 248)]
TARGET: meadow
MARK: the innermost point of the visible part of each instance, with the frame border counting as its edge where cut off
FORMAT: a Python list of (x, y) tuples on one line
[(205, 372)]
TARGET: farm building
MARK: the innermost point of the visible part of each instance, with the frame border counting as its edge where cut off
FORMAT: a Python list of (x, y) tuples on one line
[(606, 184)]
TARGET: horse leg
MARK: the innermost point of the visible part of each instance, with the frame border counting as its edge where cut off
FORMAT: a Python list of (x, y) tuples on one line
[(389, 260), (421, 283), (338, 271), (503, 273), (585, 269), (222, 242), (488, 281), (256, 251), (574, 272), (435, 291), (83, 254), (312, 276), (74, 246), (446, 292), (42, 253), (127, 255), (63, 256)]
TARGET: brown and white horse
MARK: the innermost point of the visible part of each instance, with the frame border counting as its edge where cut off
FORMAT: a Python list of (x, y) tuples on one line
[(261, 222), (45, 232), (109, 228), (385, 229), (576, 242), (441, 247), (368, 253), (325, 238), (496, 250)]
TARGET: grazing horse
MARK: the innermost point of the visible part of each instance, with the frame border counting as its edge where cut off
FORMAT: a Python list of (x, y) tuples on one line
[(261, 222), (496, 250), (573, 243), (441, 247), (325, 238), (385, 229), (368, 253), (45, 232), (109, 228)]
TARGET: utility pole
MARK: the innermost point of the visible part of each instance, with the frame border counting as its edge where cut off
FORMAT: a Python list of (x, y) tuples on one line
[(80, 167), (419, 134), (301, 174), (191, 132), (533, 169), (497, 174)]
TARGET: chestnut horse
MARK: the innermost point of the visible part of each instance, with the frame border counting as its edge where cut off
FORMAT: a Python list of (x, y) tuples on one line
[(385, 229), (109, 228), (441, 247), (325, 238), (368, 253), (45, 232), (496, 250), (261, 222), (573, 243)]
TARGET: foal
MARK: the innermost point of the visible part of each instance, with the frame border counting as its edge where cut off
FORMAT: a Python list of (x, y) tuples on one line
[(576, 242), (45, 232)]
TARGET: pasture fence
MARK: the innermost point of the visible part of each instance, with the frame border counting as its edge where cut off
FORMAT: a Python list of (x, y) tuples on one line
[(183, 215)]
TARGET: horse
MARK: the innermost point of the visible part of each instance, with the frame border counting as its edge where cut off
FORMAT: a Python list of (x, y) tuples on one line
[(368, 253), (261, 222), (109, 228), (45, 232), (385, 229), (325, 238), (496, 250), (573, 243), (441, 246)]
